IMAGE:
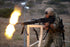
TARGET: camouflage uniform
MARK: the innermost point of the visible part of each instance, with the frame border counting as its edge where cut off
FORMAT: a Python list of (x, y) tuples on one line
[(55, 36)]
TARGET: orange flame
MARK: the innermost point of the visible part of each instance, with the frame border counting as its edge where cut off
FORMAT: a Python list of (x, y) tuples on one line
[(10, 29)]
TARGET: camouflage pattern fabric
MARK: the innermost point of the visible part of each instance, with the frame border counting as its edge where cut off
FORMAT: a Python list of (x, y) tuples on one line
[(56, 38)]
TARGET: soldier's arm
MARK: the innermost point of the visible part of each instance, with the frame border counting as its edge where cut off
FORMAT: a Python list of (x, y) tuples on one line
[(56, 23), (46, 25)]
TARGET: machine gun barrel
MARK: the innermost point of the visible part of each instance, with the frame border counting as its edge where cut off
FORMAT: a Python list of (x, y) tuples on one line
[(30, 22), (40, 20)]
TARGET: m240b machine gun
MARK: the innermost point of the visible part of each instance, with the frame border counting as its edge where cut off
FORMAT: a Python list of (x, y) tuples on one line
[(40, 20)]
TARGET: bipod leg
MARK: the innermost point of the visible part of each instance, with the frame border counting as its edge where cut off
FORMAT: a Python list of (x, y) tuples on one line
[(22, 30), (36, 33)]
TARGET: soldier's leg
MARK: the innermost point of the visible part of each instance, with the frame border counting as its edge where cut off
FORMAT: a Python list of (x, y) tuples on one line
[(48, 40), (58, 39)]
